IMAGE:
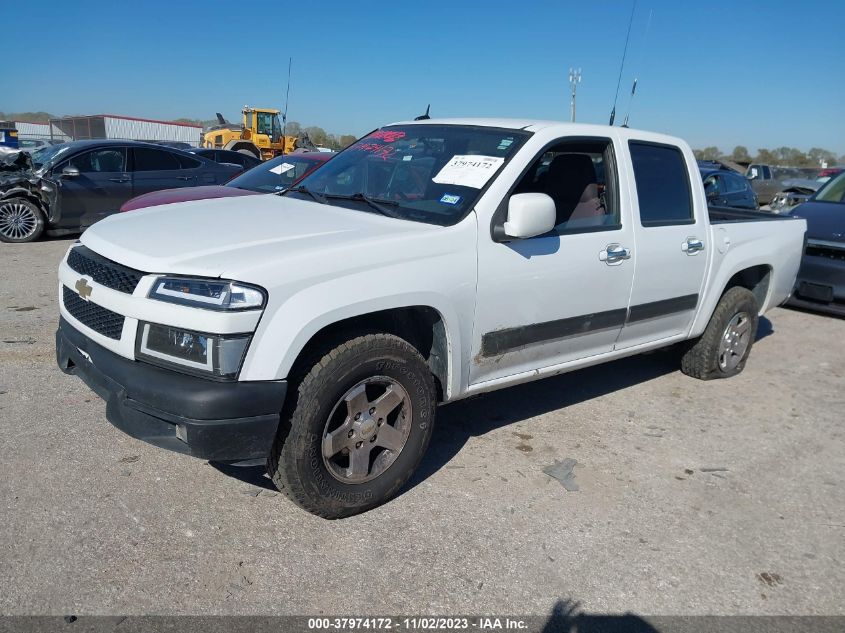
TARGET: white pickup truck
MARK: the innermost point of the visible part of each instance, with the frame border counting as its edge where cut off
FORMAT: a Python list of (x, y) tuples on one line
[(317, 329)]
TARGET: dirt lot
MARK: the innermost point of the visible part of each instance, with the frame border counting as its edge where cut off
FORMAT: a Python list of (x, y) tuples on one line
[(723, 497)]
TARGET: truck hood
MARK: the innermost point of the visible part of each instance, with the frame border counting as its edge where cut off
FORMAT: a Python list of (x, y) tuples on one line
[(239, 238), (183, 194)]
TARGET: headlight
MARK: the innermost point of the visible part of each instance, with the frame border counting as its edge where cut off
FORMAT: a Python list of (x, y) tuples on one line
[(213, 355), (211, 294)]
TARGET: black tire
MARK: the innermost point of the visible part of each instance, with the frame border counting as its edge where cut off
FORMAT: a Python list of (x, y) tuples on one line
[(20, 221), (297, 463), (703, 358)]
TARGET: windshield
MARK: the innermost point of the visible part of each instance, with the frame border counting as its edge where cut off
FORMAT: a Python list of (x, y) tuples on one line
[(832, 191), (47, 155), (275, 175), (426, 173)]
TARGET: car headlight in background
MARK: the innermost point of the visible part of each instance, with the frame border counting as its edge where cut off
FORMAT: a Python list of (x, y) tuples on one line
[(211, 355), (211, 294)]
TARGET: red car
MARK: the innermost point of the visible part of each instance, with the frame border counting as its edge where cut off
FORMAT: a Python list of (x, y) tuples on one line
[(274, 175), (829, 172)]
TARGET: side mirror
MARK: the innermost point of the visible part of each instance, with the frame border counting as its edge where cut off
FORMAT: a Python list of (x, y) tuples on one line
[(752, 174), (530, 214), (70, 172)]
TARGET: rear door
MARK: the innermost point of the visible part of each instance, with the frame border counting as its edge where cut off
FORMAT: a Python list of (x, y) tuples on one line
[(155, 169), (103, 184), (671, 244)]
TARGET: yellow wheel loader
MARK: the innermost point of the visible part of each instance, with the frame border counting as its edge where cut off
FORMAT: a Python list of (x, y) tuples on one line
[(259, 135)]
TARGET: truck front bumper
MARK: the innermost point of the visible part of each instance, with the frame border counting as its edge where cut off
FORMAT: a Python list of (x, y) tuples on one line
[(220, 421)]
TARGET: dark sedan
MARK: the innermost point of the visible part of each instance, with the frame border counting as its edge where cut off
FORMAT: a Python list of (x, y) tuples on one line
[(726, 188), (269, 177), (66, 188), (821, 279), (246, 161)]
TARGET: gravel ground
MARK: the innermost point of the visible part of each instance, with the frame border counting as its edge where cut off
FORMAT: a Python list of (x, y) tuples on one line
[(692, 497)]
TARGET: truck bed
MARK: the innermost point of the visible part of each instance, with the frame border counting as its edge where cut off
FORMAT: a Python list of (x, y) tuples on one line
[(725, 215)]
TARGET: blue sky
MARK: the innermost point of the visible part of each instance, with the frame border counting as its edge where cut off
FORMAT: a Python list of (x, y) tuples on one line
[(726, 72)]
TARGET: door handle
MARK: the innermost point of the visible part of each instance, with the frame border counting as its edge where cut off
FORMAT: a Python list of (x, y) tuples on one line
[(614, 254), (119, 179), (692, 246), (185, 177)]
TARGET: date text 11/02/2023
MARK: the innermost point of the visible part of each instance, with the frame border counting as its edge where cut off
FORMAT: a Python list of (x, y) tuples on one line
[(491, 623)]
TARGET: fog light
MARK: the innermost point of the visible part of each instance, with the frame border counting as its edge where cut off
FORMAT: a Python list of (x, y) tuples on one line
[(218, 355)]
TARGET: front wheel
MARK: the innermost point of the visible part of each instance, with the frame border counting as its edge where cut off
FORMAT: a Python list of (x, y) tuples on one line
[(20, 221), (722, 350), (355, 428)]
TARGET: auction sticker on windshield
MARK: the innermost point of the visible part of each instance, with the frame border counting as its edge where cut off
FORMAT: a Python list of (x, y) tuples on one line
[(280, 169), (468, 170)]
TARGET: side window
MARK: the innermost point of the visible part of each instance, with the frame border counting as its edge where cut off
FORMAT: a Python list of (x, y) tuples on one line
[(580, 177), (735, 184), (663, 187), (767, 173), (147, 159), (711, 186), (109, 160), (186, 162)]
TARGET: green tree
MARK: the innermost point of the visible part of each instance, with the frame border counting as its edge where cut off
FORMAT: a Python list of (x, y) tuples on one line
[(317, 135), (816, 155), (766, 157), (740, 154), (293, 128), (346, 140), (708, 153)]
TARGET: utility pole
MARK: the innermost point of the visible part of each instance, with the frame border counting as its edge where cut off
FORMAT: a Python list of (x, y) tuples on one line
[(574, 80)]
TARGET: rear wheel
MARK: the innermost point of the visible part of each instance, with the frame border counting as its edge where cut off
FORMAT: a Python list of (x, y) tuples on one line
[(356, 426), (20, 221), (722, 350)]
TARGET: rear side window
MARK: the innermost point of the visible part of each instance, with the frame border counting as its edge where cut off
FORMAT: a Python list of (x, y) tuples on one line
[(187, 162), (735, 184), (663, 188), (147, 159)]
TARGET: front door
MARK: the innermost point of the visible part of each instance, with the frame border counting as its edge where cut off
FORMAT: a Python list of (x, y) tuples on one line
[(672, 245), (564, 295), (103, 184)]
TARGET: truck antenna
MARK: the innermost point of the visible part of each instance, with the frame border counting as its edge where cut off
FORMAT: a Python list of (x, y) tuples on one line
[(639, 65), (285, 114), (622, 65), (630, 101)]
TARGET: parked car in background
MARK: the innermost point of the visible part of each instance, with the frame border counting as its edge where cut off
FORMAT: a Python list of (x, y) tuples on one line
[(65, 188), (246, 161), (318, 330), (173, 144), (764, 181), (271, 176), (796, 191), (727, 188), (829, 172), (821, 279), (33, 144)]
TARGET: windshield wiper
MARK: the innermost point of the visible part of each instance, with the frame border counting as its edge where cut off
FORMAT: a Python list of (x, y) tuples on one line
[(303, 189), (378, 204)]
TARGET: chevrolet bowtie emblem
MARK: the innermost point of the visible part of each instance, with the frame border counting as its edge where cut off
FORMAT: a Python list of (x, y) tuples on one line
[(83, 288)]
